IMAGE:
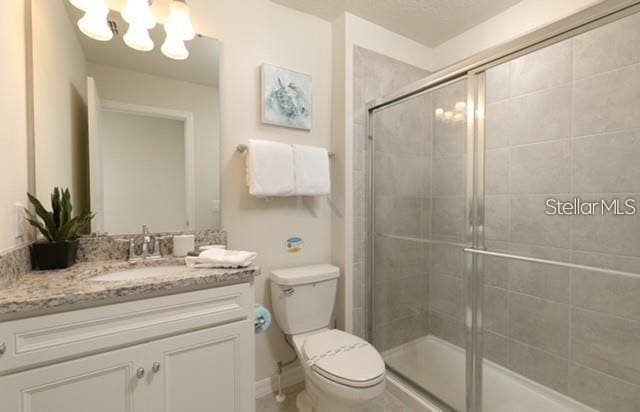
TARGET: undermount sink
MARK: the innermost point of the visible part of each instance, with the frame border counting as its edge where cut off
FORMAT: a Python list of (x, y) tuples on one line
[(139, 273)]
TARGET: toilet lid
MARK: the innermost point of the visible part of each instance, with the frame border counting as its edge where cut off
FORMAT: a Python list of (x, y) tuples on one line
[(344, 358)]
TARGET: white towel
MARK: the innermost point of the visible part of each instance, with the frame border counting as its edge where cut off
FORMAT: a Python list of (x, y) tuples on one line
[(270, 169), (221, 258), (312, 175)]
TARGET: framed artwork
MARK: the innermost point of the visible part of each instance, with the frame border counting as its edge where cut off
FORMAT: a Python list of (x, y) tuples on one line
[(287, 98)]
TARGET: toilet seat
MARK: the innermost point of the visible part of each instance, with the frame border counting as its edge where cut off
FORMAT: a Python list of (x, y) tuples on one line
[(344, 358)]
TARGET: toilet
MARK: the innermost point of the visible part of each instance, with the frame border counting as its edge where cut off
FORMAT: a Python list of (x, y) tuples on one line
[(342, 371)]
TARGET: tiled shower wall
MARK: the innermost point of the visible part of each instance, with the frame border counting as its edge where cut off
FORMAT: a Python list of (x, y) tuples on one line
[(563, 122), (375, 75)]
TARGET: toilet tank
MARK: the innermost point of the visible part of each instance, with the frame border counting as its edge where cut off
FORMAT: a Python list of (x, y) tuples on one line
[(303, 298)]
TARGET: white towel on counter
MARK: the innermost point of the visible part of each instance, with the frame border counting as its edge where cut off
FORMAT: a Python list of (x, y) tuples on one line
[(221, 258), (270, 169), (312, 173)]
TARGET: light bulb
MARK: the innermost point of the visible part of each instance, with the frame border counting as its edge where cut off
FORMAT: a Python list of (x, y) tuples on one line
[(94, 22), (460, 106), (439, 113), (137, 37), (448, 115), (138, 12), (174, 48), (79, 4), (179, 22)]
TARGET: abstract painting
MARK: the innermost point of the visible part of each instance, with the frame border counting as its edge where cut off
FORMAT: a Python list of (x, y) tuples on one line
[(286, 98)]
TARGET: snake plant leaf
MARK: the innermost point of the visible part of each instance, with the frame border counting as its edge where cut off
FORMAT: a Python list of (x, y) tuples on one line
[(33, 220), (55, 206), (66, 206), (45, 215)]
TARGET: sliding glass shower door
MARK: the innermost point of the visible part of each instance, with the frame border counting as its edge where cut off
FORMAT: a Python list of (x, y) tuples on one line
[(419, 193), (505, 247)]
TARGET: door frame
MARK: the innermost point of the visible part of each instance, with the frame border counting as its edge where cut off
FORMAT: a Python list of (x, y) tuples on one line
[(189, 144)]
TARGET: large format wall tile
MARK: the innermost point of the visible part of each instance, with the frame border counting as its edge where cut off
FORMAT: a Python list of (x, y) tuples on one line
[(496, 219), (448, 216), (495, 348), (606, 343), (497, 171), (449, 175), (406, 216), (400, 298), (542, 367), (540, 168), (601, 391), (540, 323), (539, 279), (548, 67), (498, 126), (606, 163), (608, 47), (530, 225), (544, 115), (405, 129), (446, 295), (607, 102), (607, 234), (447, 260), (496, 310), (497, 83), (402, 175), (447, 328)]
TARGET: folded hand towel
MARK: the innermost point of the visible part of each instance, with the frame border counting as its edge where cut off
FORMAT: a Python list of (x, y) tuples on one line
[(312, 175), (270, 169), (221, 258)]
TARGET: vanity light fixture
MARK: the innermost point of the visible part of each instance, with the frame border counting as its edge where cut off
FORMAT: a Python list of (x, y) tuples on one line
[(94, 22), (140, 18), (178, 29)]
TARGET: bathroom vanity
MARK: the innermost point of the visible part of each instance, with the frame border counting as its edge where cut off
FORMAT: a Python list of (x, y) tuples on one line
[(176, 342)]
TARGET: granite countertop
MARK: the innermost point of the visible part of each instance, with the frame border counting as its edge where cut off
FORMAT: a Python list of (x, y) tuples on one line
[(38, 291)]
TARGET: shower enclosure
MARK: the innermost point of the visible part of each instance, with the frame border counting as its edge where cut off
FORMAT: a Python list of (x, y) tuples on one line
[(504, 223)]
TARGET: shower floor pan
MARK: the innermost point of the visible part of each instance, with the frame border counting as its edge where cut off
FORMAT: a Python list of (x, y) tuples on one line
[(439, 366)]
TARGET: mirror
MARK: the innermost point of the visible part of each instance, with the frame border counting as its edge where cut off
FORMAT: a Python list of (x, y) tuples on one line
[(134, 135)]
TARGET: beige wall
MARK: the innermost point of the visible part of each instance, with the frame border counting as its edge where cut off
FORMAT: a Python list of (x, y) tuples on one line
[(145, 89), (522, 18), (143, 173), (59, 104), (13, 120), (253, 32)]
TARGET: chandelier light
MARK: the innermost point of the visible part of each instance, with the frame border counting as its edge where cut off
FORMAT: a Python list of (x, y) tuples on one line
[(140, 18), (178, 29), (94, 22)]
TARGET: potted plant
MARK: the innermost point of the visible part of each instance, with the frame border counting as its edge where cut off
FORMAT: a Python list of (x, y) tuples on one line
[(58, 249)]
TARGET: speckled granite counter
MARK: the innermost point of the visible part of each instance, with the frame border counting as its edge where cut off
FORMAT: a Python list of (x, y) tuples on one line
[(38, 292)]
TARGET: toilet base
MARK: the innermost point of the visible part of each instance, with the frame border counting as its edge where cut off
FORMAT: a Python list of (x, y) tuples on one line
[(303, 402)]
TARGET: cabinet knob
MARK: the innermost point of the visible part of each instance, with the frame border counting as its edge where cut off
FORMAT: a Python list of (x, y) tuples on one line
[(3, 348), (156, 367), (140, 373)]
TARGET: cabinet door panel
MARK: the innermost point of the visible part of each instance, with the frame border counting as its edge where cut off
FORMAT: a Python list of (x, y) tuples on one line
[(206, 371), (100, 383)]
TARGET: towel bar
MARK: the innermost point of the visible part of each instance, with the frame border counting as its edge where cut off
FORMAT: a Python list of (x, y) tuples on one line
[(243, 148)]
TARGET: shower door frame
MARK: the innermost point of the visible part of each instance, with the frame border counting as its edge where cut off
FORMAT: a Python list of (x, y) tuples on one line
[(474, 70)]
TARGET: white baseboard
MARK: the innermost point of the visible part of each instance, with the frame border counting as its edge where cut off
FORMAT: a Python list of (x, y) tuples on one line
[(269, 385)]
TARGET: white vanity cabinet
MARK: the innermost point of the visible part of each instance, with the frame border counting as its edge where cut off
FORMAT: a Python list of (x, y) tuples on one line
[(190, 352)]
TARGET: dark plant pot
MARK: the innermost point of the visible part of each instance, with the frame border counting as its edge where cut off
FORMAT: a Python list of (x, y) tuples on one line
[(54, 255)]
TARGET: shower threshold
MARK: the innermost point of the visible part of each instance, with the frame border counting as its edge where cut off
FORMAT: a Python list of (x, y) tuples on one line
[(439, 367)]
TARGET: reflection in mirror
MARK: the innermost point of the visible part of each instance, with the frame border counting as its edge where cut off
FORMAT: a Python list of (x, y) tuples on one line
[(134, 135)]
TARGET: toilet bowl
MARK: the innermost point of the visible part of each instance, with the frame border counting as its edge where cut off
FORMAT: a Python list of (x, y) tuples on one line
[(342, 371)]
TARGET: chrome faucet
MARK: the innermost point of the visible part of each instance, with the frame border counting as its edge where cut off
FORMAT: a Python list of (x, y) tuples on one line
[(146, 241)]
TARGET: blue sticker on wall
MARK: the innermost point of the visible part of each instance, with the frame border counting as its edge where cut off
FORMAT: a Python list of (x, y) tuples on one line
[(294, 244)]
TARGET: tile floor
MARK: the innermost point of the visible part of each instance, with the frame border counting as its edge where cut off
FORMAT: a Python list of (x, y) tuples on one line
[(384, 403)]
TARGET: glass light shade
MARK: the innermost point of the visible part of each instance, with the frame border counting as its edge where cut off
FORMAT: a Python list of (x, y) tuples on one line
[(94, 22), (137, 37), (174, 48), (439, 113), (179, 22), (460, 106), (79, 4), (139, 13), (458, 117), (448, 115)]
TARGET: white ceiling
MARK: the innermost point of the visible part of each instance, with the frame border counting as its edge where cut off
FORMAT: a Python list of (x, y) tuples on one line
[(430, 22), (201, 67)]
